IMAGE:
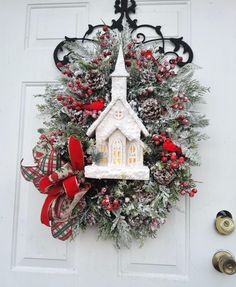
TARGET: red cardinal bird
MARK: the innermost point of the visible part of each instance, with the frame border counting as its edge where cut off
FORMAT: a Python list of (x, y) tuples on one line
[(170, 146), (94, 106)]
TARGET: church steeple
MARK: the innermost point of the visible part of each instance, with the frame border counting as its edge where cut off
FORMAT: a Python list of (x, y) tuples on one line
[(119, 78), (120, 70)]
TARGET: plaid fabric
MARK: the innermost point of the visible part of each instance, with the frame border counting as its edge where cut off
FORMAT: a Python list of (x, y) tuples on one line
[(47, 161), (59, 207), (61, 173), (30, 173), (36, 182), (61, 230), (46, 157)]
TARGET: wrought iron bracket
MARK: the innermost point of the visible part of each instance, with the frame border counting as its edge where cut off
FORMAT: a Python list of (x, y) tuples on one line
[(125, 8)]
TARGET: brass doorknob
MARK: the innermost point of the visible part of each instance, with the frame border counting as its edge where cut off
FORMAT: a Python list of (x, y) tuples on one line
[(224, 222), (224, 262)]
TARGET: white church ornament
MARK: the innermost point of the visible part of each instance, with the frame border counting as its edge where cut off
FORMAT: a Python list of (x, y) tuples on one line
[(117, 131)]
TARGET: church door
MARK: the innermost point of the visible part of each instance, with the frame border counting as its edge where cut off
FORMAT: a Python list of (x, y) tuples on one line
[(117, 149)]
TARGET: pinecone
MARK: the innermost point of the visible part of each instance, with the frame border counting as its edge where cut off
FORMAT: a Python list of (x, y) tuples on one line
[(95, 79), (151, 109), (164, 176)]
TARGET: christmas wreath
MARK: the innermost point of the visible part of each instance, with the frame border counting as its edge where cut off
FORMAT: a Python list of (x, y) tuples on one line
[(162, 95)]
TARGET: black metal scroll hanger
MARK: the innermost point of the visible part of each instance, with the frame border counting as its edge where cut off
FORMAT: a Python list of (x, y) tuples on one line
[(125, 8)]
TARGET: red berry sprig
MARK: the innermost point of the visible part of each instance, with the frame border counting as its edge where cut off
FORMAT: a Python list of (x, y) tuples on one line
[(186, 189), (178, 102), (158, 139), (173, 160), (108, 203), (104, 38), (183, 120), (97, 60), (66, 101), (65, 70), (165, 70), (80, 89), (131, 54)]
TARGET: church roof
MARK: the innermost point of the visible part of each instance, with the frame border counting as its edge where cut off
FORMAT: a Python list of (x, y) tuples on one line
[(108, 108), (122, 130)]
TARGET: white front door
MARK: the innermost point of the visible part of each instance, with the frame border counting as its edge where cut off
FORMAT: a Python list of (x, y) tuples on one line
[(181, 255)]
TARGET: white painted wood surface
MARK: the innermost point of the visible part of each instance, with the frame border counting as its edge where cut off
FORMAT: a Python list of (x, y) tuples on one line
[(181, 255)]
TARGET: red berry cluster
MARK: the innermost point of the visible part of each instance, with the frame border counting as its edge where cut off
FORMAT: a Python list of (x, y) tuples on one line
[(186, 189), (172, 159), (97, 60), (165, 70), (158, 139), (131, 55), (183, 120), (79, 88), (104, 41), (105, 45), (52, 136), (69, 102), (109, 204), (179, 102), (65, 69)]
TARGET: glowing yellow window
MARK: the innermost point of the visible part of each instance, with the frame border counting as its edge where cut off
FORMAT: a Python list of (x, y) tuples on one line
[(117, 152), (132, 154), (103, 151)]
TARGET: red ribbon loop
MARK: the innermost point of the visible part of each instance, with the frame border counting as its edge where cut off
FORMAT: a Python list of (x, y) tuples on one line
[(71, 186), (76, 153), (45, 216)]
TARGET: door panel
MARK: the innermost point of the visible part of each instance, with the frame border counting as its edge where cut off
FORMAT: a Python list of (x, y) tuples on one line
[(181, 255)]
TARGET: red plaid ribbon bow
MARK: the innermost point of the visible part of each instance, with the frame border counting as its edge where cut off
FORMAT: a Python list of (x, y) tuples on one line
[(60, 181)]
